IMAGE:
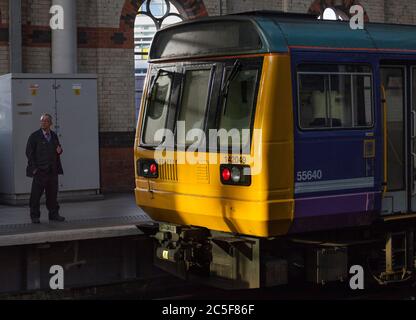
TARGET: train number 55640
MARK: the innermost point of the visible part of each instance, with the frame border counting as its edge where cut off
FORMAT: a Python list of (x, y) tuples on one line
[(309, 175)]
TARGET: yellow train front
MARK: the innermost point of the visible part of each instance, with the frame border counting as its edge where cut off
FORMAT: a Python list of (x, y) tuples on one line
[(260, 151)]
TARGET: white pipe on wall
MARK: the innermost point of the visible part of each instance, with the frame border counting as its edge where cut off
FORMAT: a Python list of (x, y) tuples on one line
[(64, 41), (285, 5)]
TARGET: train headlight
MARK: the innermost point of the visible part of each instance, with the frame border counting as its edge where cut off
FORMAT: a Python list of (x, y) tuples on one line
[(146, 169), (235, 174)]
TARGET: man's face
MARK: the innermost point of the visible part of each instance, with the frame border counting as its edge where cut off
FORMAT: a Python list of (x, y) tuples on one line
[(45, 123)]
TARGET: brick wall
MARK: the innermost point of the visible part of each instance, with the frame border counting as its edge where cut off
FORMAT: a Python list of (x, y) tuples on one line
[(4, 37), (377, 10), (403, 12), (95, 14), (374, 9), (248, 5), (4, 59), (106, 48)]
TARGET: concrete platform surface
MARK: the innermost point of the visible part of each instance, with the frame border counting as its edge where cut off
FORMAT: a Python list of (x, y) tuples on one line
[(116, 215)]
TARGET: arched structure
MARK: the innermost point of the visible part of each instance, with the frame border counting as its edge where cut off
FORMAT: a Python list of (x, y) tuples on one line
[(191, 9), (343, 6)]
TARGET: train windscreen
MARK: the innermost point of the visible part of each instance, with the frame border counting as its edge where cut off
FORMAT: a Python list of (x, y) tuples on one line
[(238, 106), (194, 103), (200, 104)]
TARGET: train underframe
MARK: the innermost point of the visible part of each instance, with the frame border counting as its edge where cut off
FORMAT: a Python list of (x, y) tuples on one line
[(384, 253)]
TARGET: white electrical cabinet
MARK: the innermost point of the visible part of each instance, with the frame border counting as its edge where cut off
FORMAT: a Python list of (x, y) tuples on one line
[(72, 101)]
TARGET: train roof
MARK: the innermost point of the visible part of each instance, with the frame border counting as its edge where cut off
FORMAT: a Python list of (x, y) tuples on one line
[(271, 31)]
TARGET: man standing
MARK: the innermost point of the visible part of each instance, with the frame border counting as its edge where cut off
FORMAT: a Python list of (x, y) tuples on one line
[(43, 152)]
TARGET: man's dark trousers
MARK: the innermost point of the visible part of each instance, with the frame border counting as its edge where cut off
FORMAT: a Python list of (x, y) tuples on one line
[(44, 182)]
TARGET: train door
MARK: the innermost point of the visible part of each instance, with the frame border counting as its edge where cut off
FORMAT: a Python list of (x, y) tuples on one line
[(413, 138), (399, 84), (394, 82)]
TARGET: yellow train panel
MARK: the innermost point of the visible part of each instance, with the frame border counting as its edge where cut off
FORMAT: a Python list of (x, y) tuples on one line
[(192, 194)]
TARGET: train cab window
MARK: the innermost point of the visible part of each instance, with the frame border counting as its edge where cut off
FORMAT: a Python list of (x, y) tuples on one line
[(157, 107), (194, 101), (334, 97), (237, 111)]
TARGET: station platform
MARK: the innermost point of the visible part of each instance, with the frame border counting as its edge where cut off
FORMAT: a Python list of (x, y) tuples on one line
[(115, 216)]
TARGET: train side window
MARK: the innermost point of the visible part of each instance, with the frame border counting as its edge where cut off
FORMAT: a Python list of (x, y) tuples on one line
[(340, 103), (362, 101), (157, 107), (335, 99), (312, 96)]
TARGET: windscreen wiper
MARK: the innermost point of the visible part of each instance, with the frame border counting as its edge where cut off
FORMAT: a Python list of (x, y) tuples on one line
[(233, 73), (159, 73), (231, 77)]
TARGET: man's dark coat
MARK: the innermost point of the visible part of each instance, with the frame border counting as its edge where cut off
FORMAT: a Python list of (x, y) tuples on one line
[(42, 154)]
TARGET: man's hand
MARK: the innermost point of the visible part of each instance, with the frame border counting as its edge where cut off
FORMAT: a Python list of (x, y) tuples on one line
[(59, 150)]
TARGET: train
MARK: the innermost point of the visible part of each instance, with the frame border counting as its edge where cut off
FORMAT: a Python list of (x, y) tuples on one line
[(276, 148)]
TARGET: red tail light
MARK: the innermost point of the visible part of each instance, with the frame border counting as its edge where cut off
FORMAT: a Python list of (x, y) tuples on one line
[(226, 174), (153, 168)]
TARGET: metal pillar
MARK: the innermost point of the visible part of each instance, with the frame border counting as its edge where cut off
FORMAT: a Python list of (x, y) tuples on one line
[(285, 5), (15, 35), (64, 41)]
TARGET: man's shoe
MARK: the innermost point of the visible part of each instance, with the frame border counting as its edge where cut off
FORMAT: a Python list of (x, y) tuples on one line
[(35, 220), (57, 218)]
